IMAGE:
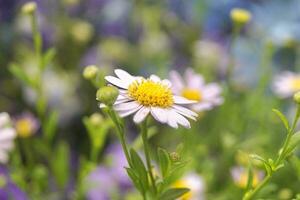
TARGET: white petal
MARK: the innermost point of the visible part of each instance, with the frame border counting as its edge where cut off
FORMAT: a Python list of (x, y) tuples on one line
[(126, 106), (117, 82), (126, 113), (185, 112), (159, 114), (4, 119), (124, 76), (154, 78), (192, 79), (211, 90), (172, 121), (7, 134), (167, 83), (102, 105), (180, 119), (6, 145), (182, 100), (141, 114), (202, 106), (3, 156), (177, 82)]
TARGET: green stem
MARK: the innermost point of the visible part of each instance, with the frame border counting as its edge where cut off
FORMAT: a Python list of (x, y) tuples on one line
[(249, 196), (288, 138), (120, 132), (147, 153)]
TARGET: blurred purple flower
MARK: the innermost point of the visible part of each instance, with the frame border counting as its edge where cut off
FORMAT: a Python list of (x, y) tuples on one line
[(8, 190), (109, 180)]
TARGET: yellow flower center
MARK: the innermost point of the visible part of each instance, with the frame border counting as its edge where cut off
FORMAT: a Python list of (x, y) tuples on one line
[(192, 94), (183, 184), (296, 84), (24, 128), (150, 93), (240, 15)]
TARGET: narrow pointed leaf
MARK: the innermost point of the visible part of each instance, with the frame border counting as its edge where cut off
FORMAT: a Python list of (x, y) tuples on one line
[(282, 118)]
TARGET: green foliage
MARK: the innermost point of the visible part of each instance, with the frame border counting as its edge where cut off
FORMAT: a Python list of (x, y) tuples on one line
[(173, 193)]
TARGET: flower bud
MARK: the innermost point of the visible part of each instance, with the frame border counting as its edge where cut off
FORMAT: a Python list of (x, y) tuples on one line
[(29, 8), (297, 97), (240, 16), (96, 119), (175, 157), (107, 95), (90, 72)]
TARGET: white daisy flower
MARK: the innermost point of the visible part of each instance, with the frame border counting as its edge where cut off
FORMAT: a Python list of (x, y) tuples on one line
[(150, 96), (7, 135), (286, 84), (196, 185), (193, 87)]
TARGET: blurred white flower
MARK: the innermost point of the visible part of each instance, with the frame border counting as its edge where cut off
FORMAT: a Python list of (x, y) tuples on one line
[(193, 87), (286, 84), (7, 135), (153, 95), (196, 185)]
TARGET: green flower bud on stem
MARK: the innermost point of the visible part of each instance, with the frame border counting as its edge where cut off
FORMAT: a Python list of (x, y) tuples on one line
[(29, 8), (90, 72), (96, 119), (175, 157), (297, 97), (107, 95)]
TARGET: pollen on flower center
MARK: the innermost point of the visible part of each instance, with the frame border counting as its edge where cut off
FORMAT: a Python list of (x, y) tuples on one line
[(192, 94), (150, 93)]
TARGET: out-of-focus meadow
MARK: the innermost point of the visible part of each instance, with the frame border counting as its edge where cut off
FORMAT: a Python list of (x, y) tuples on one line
[(238, 59)]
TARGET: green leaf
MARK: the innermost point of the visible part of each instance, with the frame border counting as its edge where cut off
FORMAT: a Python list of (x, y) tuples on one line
[(164, 161), (47, 57), (295, 140), (174, 173), (60, 164), (139, 167), (250, 178), (135, 179), (20, 74), (51, 125), (282, 118), (173, 193), (266, 163)]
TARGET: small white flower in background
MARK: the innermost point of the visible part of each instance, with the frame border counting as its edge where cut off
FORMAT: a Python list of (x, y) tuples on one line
[(286, 84), (7, 135), (149, 96), (192, 86), (240, 176), (196, 185)]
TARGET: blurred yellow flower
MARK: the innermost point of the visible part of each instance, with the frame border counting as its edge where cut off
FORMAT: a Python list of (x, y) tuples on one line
[(26, 125), (240, 15), (28, 8)]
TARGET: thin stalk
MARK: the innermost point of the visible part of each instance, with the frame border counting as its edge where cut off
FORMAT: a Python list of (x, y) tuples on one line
[(250, 195), (288, 138), (120, 134), (147, 153)]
